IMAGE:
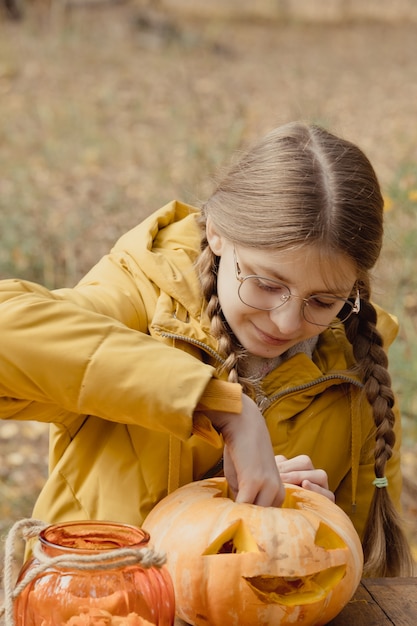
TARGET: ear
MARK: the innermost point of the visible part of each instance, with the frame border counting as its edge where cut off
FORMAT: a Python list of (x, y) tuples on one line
[(215, 239)]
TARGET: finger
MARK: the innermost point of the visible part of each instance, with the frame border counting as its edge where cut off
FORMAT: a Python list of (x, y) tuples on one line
[(230, 473), (306, 484), (274, 497), (301, 462), (246, 496), (280, 458), (248, 489), (264, 496), (318, 477)]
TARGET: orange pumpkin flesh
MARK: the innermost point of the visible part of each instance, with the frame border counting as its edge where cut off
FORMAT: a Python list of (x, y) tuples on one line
[(245, 565)]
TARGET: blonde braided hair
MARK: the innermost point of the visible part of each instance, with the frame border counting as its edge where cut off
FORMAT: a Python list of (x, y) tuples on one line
[(386, 552), (207, 265)]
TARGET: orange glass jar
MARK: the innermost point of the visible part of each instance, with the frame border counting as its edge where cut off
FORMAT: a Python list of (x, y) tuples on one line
[(94, 574)]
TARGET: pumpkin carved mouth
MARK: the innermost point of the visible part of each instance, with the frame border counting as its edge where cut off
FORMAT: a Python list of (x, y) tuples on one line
[(294, 591)]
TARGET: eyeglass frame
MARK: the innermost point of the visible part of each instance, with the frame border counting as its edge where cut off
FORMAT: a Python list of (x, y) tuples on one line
[(356, 305)]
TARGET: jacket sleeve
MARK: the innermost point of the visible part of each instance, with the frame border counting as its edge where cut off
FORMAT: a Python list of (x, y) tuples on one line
[(110, 288), (86, 356)]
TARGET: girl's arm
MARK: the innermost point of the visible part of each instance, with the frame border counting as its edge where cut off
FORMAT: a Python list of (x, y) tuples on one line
[(58, 352)]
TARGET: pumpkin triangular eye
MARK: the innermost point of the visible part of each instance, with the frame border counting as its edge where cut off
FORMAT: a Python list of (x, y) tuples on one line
[(235, 539), (327, 538)]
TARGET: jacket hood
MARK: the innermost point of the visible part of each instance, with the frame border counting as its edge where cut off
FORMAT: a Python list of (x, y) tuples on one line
[(165, 246)]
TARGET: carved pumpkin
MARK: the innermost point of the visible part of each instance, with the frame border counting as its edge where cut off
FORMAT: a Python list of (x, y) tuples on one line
[(246, 565)]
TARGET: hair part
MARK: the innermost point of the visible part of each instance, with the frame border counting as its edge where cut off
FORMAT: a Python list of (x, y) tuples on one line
[(302, 185)]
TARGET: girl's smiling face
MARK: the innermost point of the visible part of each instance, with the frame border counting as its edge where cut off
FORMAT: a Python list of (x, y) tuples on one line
[(305, 271)]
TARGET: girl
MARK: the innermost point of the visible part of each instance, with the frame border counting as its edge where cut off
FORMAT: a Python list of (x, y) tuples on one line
[(243, 332)]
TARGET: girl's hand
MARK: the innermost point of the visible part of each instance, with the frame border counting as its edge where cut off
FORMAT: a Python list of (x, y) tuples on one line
[(300, 471), (249, 461)]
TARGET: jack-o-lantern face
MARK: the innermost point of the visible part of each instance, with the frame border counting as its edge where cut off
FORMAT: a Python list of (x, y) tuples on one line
[(246, 565)]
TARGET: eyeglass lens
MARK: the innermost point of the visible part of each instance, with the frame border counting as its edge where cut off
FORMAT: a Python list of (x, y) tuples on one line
[(264, 294)]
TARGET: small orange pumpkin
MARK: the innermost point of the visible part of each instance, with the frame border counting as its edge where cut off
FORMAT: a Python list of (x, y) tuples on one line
[(247, 565)]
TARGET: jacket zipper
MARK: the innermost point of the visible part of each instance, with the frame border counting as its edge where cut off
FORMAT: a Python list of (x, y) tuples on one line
[(195, 342), (264, 402)]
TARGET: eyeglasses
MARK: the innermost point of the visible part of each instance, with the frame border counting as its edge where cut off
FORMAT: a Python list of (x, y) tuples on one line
[(267, 294)]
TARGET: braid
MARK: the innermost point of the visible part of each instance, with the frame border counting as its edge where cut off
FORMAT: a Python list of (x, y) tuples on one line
[(386, 549), (207, 265)]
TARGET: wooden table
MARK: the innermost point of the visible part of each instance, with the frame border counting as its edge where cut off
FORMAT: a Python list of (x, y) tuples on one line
[(381, 602), (377, 602)]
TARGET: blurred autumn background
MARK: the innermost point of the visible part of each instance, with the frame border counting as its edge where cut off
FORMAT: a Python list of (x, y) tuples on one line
[(108, 110)]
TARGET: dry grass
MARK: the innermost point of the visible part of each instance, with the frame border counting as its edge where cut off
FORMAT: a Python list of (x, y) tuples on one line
[(107, 114)]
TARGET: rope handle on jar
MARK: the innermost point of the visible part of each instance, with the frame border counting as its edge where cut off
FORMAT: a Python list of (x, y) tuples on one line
[(30, 528)]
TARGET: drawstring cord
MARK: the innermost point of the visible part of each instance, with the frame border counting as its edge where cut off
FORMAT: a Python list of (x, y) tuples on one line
[(174, 460), (355, 420)]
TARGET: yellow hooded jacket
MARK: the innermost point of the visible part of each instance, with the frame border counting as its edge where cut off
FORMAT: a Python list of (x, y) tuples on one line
[(123, 366)]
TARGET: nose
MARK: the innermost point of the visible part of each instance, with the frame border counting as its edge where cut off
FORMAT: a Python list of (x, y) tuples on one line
[(289, 317)]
